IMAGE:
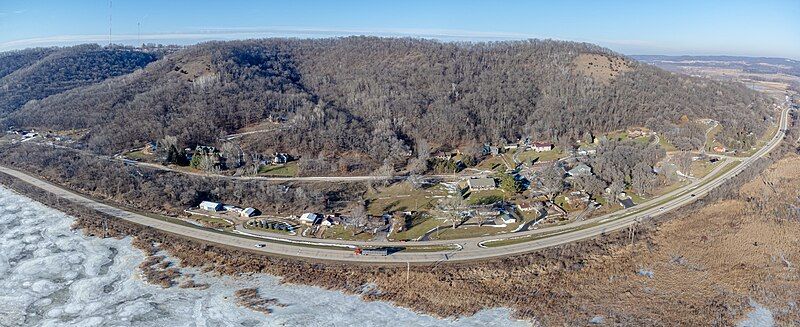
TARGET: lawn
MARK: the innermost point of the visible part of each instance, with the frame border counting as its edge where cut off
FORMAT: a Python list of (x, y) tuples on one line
[(211, 221), (285, 170), (419, 226), (338, 232), (139, 155), (485, 197), (491, 163), (402, 196), (561, 201), (701, 168), (471, 231), (711, 140), (551, 155)]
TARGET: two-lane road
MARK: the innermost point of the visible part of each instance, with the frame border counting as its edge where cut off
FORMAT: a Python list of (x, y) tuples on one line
[(467, 249)]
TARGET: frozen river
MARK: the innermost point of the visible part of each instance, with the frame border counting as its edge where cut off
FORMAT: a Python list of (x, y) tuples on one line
[(53, 276)]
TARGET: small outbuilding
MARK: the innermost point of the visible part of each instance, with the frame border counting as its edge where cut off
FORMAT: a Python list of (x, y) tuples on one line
[(249, 212)]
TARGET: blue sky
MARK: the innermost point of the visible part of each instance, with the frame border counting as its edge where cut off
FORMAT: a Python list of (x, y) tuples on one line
[(754, 28)]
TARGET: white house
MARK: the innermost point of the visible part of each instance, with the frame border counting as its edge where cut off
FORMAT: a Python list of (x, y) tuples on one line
[(308, 218), (211, 206), (507, 218), (541, 147)]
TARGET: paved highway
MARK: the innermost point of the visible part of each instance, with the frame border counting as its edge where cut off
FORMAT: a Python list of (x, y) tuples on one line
[(464, 249)]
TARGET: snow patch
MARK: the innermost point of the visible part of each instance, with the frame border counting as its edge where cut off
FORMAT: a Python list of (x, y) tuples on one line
[(53, 276)]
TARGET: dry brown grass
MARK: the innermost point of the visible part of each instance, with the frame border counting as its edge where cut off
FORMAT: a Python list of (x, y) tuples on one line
[(706, 265), (251, 299), (600, 67)]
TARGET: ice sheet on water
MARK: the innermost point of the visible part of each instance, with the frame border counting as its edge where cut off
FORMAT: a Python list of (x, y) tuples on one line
[(52, 276)]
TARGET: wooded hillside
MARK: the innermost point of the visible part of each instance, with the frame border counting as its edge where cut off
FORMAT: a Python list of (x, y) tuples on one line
[(380, 97), (38, 73)]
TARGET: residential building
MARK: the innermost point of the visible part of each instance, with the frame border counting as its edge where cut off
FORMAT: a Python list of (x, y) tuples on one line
[(443, 155), (280, 158), (478, 184), (541, 147), (526, 206), (507, 218), (490, 150), (627, 202), (308, 218), (580, 169)]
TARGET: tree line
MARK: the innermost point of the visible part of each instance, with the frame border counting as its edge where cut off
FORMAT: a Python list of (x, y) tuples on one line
[(364, 103)]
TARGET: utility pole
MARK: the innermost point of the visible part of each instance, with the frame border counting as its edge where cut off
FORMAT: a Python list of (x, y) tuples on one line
[(109, 22), (408, 270)]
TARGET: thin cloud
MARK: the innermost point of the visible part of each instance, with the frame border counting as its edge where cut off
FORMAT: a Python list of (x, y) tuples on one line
[(207, 33), (228, 33)]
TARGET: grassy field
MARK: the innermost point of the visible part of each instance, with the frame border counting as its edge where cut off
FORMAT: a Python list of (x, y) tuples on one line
[(285, 170), (402, 196), (211, 221), (551, 155), (419, 227), (701, 168), (492, 163), (139, 155), (471, 231), (485, 197), (711, 140), (338, 232)]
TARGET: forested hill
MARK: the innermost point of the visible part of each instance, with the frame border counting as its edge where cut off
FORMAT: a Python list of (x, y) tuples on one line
[(380, 97), (35, 74)]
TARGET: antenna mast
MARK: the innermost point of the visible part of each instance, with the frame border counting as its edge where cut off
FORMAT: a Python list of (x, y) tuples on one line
[(109, 22)]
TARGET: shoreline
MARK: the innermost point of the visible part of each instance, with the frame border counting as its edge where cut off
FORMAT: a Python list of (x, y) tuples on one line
[(533, 286), (346, 278)]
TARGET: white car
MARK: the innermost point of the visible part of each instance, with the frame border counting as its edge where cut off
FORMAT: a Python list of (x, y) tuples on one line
[(260, 245)]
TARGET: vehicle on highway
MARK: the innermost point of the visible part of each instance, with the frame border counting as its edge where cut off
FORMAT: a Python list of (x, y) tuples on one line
[(260, 245), (661, 209), (375, 251)]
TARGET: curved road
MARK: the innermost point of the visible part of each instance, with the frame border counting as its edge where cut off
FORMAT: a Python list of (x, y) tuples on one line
[(465, 249)]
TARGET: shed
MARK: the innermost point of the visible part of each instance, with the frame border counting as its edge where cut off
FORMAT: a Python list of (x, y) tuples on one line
[(308, 218), (249, 212), (210, 206)]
